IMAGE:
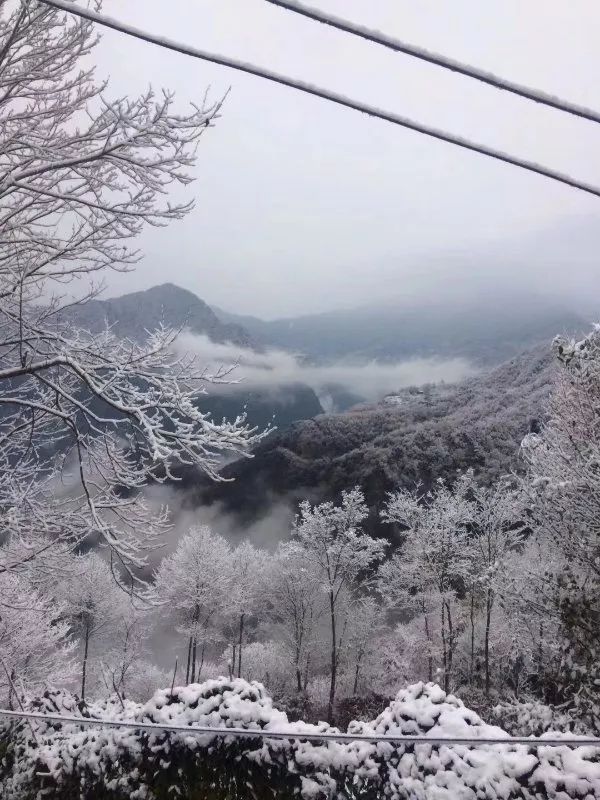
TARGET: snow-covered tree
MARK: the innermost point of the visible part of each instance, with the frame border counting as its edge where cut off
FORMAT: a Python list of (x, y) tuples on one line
[(249, 567), (496, 532), (92, 605), (434, 560), (564, 472), (269, 663), (194, 584), (296, 602), (529, 600), (366, 624), (81, 175), (340, 551), (124, 653), (34, 646)]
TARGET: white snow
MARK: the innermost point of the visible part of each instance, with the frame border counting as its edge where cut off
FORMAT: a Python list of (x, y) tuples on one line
[(128, 761)]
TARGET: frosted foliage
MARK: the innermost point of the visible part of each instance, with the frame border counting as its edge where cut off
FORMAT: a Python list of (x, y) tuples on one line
[(532, 718), (334, 542), (125, 762), (142, 680), (269, 663), (563, 461), (296, 602), (338, 550), (81, 175), (435, 558), (195, 581), (34, 650)]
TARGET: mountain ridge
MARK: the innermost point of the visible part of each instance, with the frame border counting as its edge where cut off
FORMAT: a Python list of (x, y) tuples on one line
[(133, 314), (486, 332)]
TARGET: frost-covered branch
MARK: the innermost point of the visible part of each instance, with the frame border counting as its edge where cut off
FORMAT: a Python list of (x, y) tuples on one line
[(87, 420)]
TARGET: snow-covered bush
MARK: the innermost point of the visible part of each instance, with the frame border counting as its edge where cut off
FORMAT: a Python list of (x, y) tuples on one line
[(71, 761), (533, 718), (68, 760), (446, 772)]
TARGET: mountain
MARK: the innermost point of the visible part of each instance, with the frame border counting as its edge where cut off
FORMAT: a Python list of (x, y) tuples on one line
[(416, 436), (132, 315), (485, 330)]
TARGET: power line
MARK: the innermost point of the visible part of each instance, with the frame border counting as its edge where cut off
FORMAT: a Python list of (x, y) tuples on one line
[(325, 94), (439, 60), (324, 736)]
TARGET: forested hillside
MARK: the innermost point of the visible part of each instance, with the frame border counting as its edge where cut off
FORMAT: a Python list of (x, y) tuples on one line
[(416, 436)]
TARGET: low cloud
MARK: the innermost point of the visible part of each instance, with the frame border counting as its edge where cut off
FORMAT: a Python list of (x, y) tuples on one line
[(265, 531), (271, 369)]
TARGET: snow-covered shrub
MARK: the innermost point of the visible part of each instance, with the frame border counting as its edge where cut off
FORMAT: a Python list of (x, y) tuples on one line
[(67, 760), (447, 772), (297, 706), (70, 761), (534, 718), (359, 706)]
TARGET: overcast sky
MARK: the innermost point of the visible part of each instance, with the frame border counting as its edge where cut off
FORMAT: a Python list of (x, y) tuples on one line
[(303, 206)]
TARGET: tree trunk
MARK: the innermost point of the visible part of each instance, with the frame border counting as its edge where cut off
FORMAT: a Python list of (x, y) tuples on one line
[(193, 671), (298, 670), (201, 661), (85, 659), (488, 619), (233, 661), (11, 690), (444, 647), (450, 646), (356, 674), (189, 661), (428, 637), (472, 661), (241, 637), (333, 660), (306, 671)]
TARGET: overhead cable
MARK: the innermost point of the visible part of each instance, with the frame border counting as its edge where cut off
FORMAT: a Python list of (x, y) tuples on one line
[(439, 60), (323, 736), (317, 91)]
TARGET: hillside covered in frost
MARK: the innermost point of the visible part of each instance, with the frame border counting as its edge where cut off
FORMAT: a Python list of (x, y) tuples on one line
[(415, 436)]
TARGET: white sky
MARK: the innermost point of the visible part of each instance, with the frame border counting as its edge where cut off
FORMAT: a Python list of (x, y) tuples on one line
[(303, 206)]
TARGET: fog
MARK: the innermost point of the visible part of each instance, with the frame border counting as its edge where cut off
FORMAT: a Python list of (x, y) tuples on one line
[(265, 531), (272, 368), (302, 206)]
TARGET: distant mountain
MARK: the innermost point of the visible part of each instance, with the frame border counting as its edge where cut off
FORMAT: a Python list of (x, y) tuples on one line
[(417, 436), (132, 315), (486, 331)]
